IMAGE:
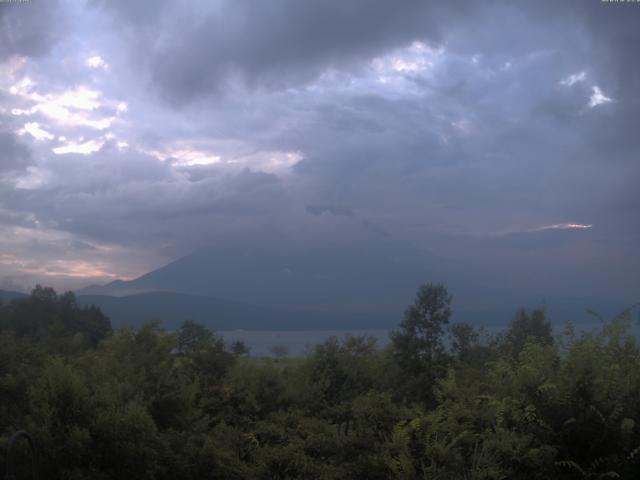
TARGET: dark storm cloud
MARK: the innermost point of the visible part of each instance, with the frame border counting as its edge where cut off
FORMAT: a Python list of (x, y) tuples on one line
[(140, 13), (13, 154), (614, 32), (275, 44), (29, 28), (103, 196), (337, 211)]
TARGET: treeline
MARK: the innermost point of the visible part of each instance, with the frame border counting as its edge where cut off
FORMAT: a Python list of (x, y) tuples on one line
[(441, 401)]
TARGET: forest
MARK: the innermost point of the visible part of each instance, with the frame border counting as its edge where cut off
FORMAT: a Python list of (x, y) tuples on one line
[(442, 401)]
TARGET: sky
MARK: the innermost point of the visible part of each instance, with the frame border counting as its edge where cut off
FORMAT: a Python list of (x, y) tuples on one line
[(501, 136)]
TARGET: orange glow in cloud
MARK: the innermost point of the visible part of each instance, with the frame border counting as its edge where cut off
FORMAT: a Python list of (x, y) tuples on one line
[(544, 228), (564, 226), (58, 268)]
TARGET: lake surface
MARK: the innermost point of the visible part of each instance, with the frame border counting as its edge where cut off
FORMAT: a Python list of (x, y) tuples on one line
[(295, 341)]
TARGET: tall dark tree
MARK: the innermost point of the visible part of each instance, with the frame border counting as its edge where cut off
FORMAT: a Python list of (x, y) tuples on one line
[(194, 337), (92, 323), (418, 346), (464, 340), (525, 327)]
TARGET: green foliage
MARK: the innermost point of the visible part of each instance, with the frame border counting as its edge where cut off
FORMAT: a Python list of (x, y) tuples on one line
[(153, 404)]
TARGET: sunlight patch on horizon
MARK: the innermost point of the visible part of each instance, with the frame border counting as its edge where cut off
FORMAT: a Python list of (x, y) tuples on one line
[(543, 228), (65, 255), (58, 268), (564, 226)]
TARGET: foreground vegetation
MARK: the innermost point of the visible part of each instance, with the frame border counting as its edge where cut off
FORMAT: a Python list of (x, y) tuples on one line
[(442, 401)]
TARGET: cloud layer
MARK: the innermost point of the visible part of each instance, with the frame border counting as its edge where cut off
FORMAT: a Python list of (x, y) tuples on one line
[(132, 133)]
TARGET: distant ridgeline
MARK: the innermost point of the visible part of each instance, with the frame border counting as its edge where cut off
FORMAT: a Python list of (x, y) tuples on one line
[(7, 296), (276, 286), (172, 308)]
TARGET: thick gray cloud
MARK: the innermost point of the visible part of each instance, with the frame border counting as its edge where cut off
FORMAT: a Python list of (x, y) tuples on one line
[(13, 154), (321, 209), (485, 135), (275, 44), (29, 28)]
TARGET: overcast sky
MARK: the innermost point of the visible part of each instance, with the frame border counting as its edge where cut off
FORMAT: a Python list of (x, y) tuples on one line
[(504, 136)]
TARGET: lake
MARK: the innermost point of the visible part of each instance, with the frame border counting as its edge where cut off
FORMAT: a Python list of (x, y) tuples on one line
[(295, 341)]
